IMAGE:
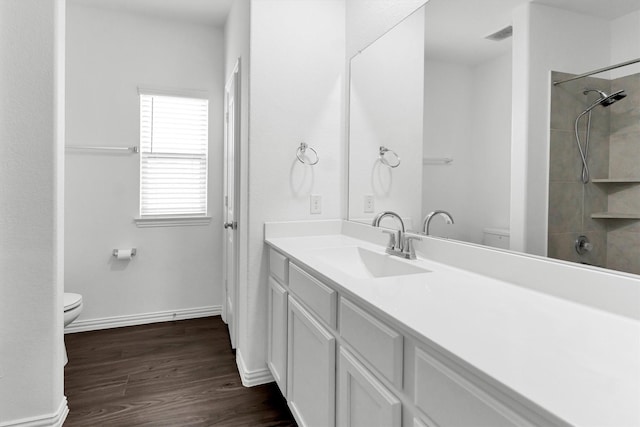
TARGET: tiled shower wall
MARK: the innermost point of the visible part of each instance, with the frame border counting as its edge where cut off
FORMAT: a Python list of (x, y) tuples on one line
[(570, 201), (614, 151), (623, 237)]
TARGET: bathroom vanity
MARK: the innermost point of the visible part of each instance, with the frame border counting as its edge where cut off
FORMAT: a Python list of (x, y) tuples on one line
[(359, 338)]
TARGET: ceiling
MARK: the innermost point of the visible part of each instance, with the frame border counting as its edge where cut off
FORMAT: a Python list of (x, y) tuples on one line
[(455, 29), (208, 12), (607, 9)]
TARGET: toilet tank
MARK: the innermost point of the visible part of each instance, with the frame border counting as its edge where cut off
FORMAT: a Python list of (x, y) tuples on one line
[(496, 237)]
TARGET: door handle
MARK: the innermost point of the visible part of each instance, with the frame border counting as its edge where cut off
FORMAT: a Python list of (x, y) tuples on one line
[(232, 225)]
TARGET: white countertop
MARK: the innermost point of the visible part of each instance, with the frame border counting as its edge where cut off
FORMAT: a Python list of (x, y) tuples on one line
[(579, 363)]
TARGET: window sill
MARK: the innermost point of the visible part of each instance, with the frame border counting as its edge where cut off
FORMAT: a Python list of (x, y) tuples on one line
[(172, 221)]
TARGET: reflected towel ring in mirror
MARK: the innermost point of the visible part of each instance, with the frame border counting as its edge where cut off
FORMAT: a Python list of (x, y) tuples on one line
[(383, 157), (301, 153)]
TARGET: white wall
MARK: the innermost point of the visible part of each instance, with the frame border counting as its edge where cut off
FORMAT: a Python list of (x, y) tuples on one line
[(385, 109), (369, 19), (296, 86), (467, 117), (545, 39), (31, 227), (109, 54), (448, 133), (625, 43), (490, 146), (365, 22)]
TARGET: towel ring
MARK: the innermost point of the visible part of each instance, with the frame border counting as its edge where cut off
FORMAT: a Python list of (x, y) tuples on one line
[(383, 152), (302, 151)]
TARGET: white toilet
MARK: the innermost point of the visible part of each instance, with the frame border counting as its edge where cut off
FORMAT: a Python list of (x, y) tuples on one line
[(72, 309), (496, 237)]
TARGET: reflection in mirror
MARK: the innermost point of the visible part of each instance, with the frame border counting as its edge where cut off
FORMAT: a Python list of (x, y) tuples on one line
[(385, 124), (467, 120), (487, 131), (594, 178)]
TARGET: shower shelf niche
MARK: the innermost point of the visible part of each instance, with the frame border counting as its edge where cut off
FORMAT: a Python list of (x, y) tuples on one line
[(619, 182), (615, 215), (616, 180)]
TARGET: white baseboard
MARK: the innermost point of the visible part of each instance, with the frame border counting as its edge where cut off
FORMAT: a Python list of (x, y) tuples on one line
[(49, 420), (142, 319), (252, 378)]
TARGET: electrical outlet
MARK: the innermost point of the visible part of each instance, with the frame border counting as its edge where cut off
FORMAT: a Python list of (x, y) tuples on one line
[(316, 204), (368, 203)]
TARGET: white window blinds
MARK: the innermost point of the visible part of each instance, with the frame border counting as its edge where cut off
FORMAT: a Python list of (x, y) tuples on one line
[(173, 155)]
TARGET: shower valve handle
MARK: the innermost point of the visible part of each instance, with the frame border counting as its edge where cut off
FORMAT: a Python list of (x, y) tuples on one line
[(582, 245)]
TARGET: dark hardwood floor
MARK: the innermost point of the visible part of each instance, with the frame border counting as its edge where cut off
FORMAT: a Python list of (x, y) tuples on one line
[(179, 373)]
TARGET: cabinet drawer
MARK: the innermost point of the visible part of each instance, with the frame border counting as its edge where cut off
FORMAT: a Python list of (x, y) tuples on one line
[(449, 399), (278, 264), (320, 298), (378, 344)]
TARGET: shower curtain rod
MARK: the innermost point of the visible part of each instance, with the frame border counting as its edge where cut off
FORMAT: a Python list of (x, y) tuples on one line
[(600, 70)]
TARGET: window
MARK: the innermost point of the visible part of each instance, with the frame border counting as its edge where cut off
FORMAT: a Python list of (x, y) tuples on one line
[(173, 156)]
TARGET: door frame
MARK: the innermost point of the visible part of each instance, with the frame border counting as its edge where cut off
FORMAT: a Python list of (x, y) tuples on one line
[(233, 84)]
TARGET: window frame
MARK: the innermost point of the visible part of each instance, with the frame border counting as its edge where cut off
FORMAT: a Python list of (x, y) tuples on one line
[(170, 220)]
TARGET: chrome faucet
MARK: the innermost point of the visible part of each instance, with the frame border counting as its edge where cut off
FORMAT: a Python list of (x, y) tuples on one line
[(399, 244), (427, 220)]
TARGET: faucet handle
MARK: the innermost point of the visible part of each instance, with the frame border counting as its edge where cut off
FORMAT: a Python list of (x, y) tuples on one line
[(408, 245), (392, 238)]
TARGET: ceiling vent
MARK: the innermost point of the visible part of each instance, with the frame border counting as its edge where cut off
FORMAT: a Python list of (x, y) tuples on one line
[(504, 33)]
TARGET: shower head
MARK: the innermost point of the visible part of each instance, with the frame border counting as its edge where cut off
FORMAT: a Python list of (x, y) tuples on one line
[(604, 100), (613, 98)]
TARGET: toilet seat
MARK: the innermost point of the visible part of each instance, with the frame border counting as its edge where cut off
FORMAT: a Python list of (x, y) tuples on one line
[(72, 309), (71, 301)]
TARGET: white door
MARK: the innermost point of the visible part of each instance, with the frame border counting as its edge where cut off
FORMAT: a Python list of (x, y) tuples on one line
[(231, 201)]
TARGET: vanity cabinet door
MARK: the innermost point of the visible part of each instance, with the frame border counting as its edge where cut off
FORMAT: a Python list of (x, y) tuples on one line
[(311, 369), (277, 334), (362, 400), (450, 400)]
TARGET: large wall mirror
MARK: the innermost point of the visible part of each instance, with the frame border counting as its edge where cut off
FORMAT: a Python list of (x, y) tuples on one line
[(438, 105)]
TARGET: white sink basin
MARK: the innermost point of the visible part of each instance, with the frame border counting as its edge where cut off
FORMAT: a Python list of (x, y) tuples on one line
[(364, 263)]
